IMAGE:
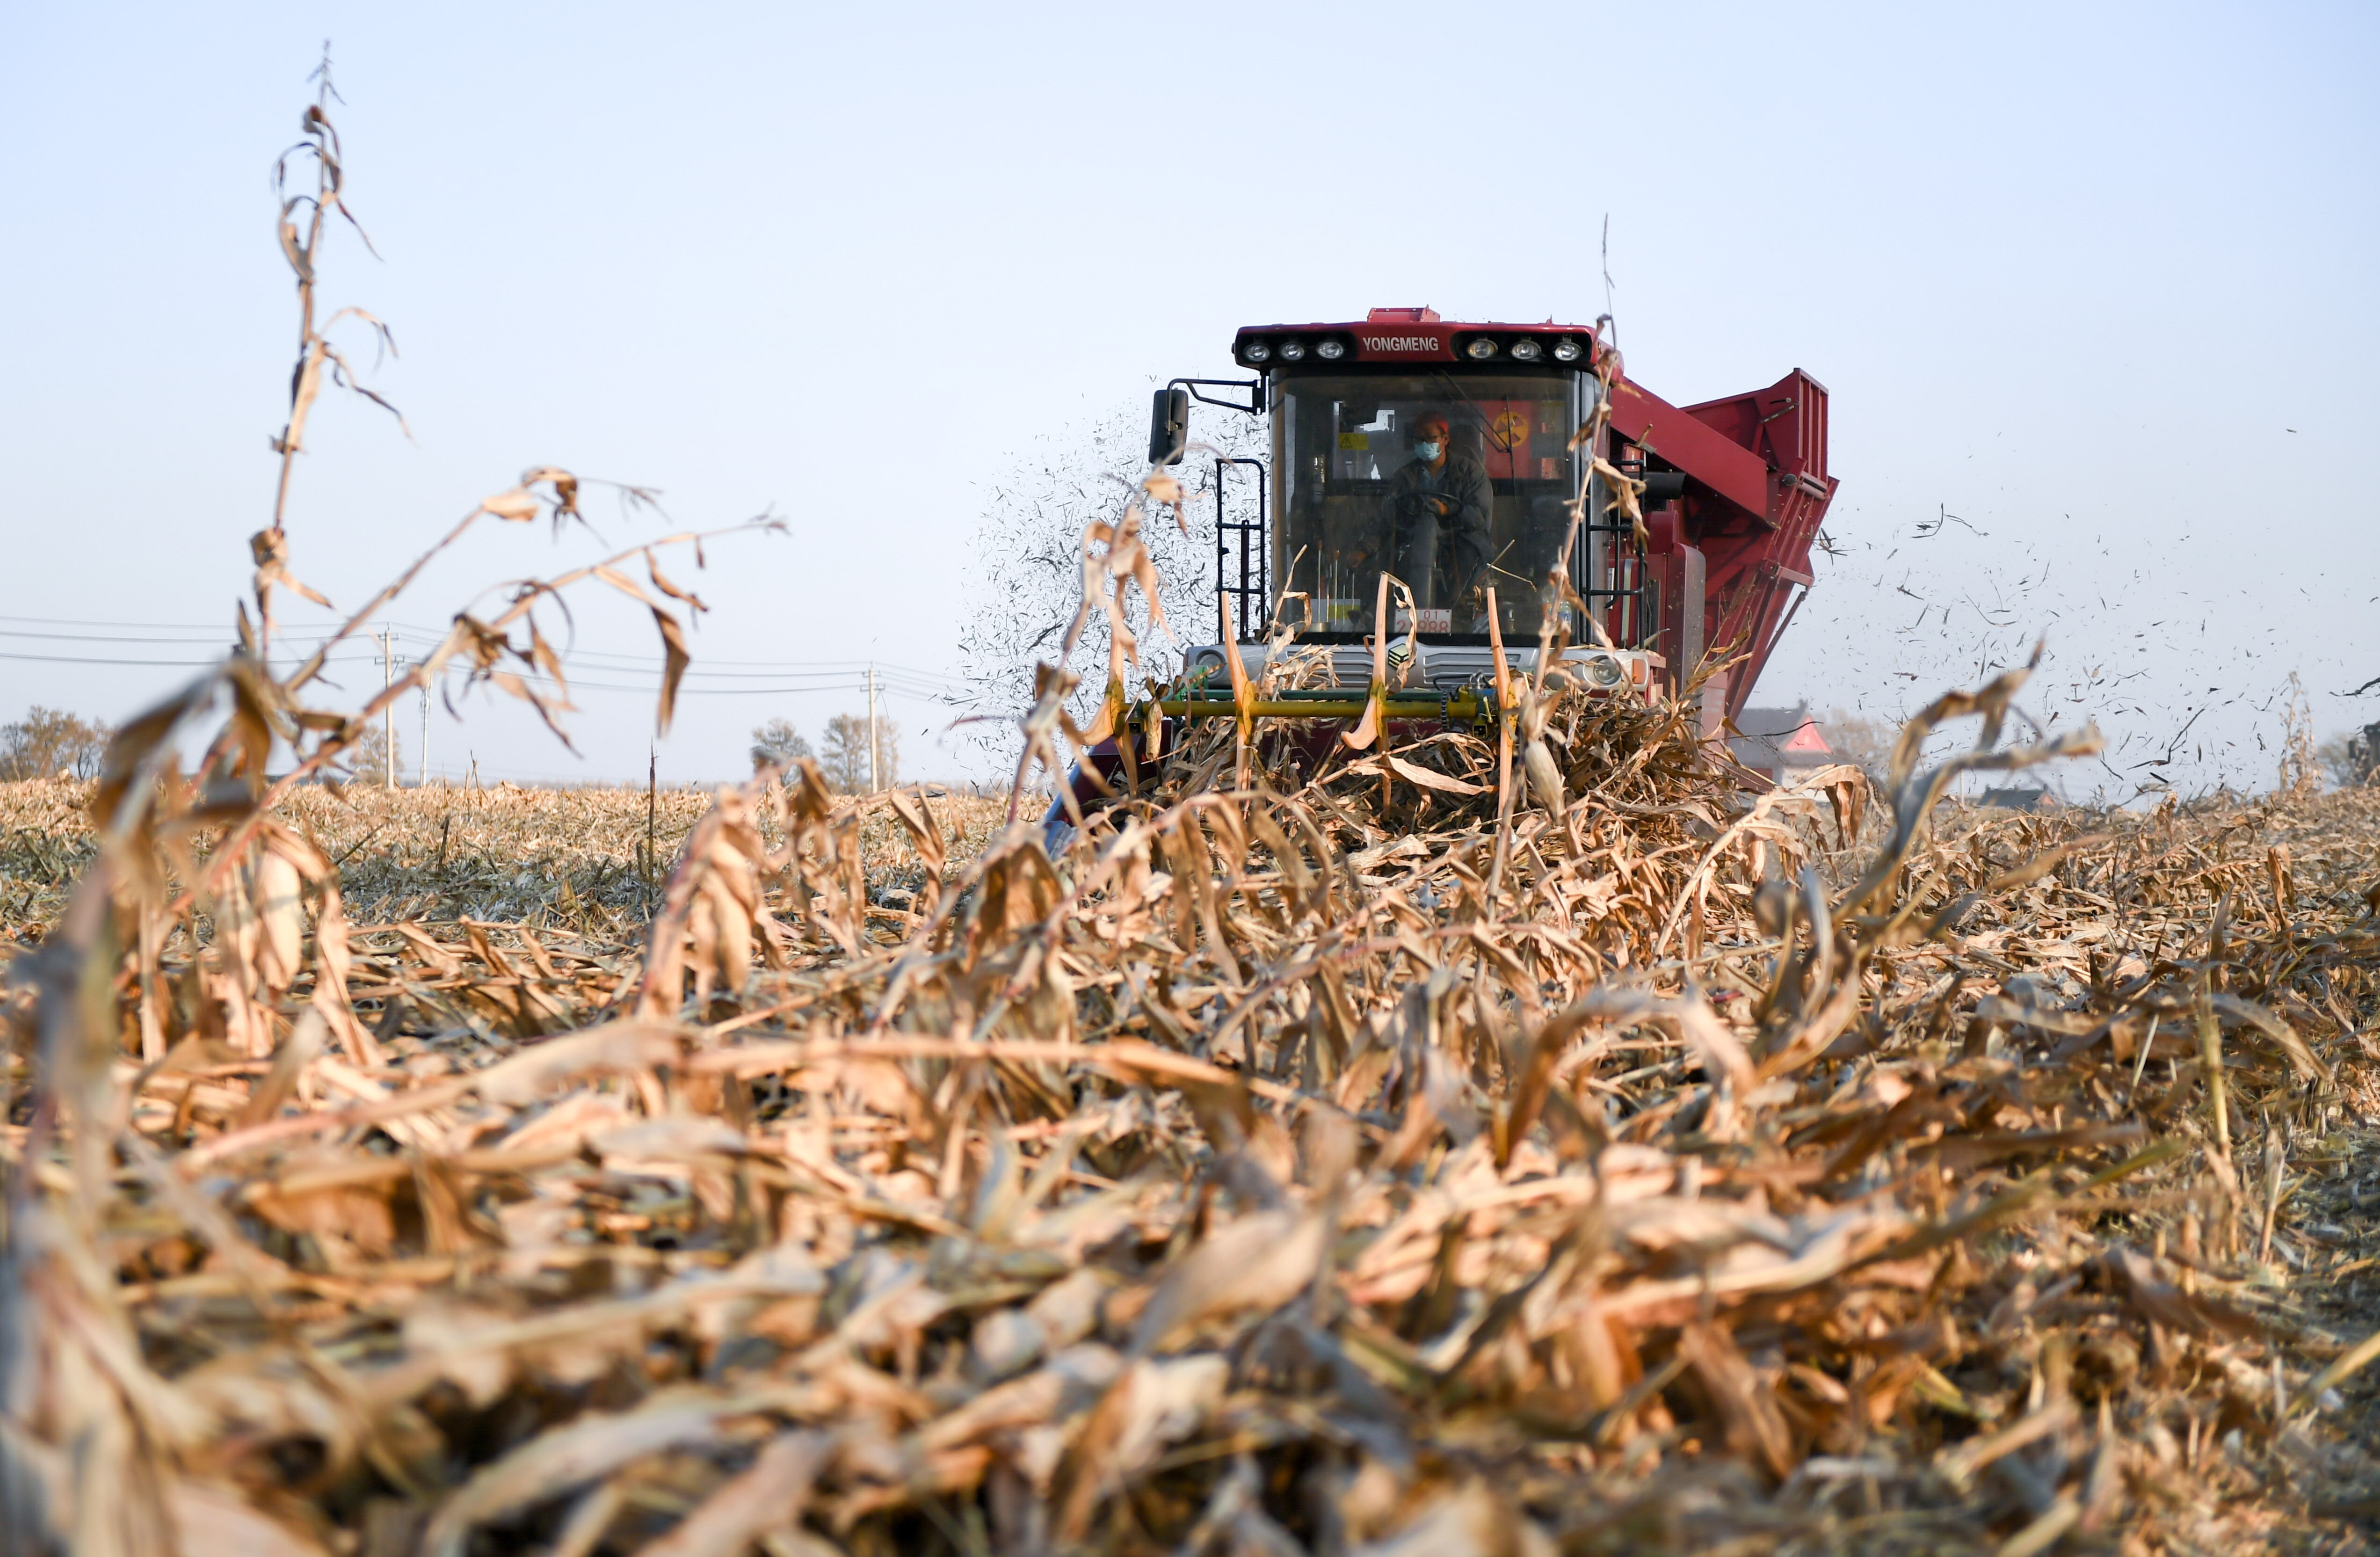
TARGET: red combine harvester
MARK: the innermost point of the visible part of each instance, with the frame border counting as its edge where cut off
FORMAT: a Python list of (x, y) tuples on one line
[(1440, 454), (1735, 490)]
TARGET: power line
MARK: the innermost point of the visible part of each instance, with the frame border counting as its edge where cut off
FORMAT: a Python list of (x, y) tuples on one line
[(80, 622), (742, 669), (856, 684), (86, 660), (97, 637), (849, 682), (781, 678), (186, 664)]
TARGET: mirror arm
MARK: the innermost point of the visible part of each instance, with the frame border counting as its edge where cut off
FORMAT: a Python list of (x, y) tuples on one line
[(1168, 422), (1254, 387)]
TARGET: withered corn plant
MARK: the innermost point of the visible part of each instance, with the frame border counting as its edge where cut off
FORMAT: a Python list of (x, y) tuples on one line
[(201, 860)]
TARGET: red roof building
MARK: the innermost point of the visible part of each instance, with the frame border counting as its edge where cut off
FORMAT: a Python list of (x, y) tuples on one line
[(1779, 742)]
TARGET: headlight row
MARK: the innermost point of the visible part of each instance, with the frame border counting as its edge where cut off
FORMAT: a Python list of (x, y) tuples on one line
[(1329, 348), (1479, 348), (1524, 349)]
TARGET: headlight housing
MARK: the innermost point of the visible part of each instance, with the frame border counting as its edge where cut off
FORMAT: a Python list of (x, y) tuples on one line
[(1526, 352), (1568, 350), (1257, 351), (1480, 349), (1605, 671), (1330, 351), (1292, 351)]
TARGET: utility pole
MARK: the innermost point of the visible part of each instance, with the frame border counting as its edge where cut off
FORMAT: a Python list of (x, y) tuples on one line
[(421, 779), (873, 782), (387, 709)]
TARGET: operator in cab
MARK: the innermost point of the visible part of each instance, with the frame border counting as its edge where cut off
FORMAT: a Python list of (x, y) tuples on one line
[(1439, 502)]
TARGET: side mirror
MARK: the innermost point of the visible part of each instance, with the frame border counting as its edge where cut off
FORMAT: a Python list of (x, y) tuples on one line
[(1169, 427)]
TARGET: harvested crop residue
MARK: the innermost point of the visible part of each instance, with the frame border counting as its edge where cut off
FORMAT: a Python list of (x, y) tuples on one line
[(1318, 1167)]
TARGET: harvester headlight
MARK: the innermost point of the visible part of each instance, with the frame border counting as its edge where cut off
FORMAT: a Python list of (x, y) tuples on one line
[(1605, 671), (1330, 351), (1526, 352), (1257, 351), (1291, 351), (1567, 350), (1481, 349)]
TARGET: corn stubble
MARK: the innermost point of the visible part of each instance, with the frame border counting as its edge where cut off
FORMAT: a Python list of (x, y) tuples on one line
[(1437, 1153), (1255, 1180)]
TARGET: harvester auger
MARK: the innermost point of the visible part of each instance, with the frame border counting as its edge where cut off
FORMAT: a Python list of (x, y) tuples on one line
[(1456, 500)]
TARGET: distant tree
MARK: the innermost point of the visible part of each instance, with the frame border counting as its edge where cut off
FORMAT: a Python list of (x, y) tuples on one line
[(2352, 760), (1025, 578), (845, 758), (1865, 743), (48, 742), (369, 757), (778, 742)]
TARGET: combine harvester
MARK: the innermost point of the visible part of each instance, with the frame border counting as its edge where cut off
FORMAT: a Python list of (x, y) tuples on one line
[(1442, 454)]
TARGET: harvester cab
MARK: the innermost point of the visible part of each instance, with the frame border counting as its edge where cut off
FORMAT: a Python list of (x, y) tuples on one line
[(1421, 491), (1446, 454)]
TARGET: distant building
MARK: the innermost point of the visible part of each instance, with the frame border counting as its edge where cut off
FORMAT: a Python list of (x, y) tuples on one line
[(1779, 742)]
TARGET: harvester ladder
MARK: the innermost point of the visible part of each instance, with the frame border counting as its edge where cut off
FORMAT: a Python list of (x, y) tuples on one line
[(1252, 594), (1618, 588)]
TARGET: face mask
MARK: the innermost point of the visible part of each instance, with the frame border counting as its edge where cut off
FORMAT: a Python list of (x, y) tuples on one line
[(1428, 453)]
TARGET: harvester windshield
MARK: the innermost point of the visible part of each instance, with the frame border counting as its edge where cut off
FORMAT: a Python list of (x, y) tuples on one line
[(1452, 482)]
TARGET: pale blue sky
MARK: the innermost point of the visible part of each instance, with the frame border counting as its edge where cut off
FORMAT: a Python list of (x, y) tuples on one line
[(2069, 272)]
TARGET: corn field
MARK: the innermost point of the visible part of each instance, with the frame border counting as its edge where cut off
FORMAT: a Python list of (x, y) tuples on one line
[(1800, 1172), (1541, 1138)]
